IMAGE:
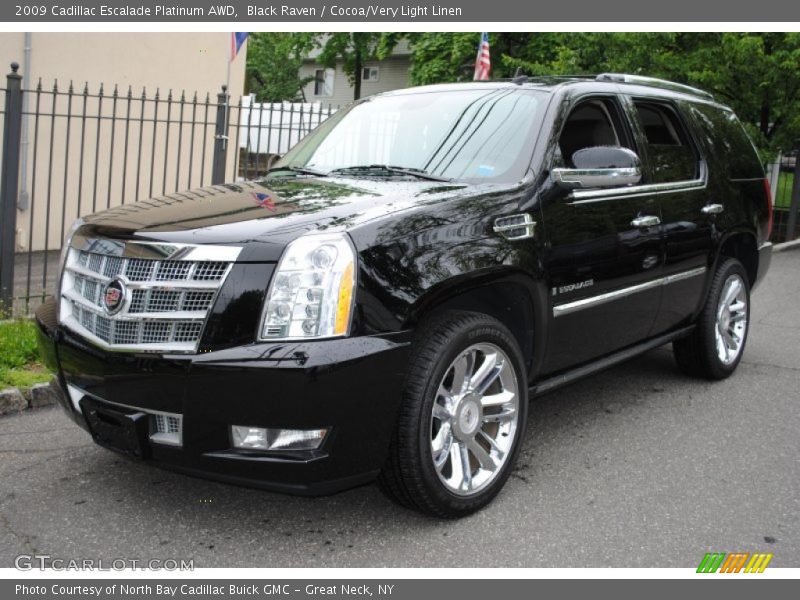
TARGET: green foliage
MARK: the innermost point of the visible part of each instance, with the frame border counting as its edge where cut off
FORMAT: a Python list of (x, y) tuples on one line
[(17, 343), (273, 61), (442, 58), (783, 194), (354, 49), (19, 355), (23, 378), (755, 73)]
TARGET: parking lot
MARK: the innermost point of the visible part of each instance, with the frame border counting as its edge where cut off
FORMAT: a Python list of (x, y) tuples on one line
[(638, 466)]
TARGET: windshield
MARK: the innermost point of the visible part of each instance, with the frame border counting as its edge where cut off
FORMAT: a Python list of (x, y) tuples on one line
[(481, 134)]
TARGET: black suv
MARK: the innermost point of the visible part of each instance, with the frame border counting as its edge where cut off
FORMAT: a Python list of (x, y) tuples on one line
[(387, 299)]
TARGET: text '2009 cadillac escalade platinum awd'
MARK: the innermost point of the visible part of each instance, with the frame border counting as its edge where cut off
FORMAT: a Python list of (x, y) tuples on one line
[(385, 301)]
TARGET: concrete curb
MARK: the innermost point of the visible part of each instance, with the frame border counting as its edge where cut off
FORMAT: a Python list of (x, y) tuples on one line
[(13, 400), (793, 245)]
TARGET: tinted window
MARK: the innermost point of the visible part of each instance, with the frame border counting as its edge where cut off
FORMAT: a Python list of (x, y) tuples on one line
[(588, 125), (481, 134), (727, 141), (672, 156)]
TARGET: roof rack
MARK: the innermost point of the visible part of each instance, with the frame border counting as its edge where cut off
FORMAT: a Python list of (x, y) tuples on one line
[(653, 82)]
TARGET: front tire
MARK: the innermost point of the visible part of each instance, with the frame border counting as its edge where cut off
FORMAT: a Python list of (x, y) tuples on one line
[(463, 416), (713, 350)]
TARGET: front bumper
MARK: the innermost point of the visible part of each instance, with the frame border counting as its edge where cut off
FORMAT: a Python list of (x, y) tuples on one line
[(351, 386)]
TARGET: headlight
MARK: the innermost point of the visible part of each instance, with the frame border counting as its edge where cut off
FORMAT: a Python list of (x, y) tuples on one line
[(312, 291), (64, 253)]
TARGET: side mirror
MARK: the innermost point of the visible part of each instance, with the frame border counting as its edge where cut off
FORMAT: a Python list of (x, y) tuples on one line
[(600, 167)]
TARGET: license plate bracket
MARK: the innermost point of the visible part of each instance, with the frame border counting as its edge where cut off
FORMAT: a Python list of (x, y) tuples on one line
[(123, 432)]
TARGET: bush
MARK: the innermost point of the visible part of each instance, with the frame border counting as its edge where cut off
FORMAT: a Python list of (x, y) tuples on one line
[(17, 344)]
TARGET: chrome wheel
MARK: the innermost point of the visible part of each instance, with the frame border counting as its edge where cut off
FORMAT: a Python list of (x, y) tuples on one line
[(475, 415), (731, 326)]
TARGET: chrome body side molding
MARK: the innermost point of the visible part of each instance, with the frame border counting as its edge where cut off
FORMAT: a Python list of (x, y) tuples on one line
[(588, 196), (570, 307)]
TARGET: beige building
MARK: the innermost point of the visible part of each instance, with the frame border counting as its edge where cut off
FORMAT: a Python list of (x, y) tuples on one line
[(91, 154), (332, 87)]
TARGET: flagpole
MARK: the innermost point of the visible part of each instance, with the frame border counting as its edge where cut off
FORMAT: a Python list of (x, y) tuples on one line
[(229, 54)]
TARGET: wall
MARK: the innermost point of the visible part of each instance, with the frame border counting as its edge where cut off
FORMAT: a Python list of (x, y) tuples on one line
[(181, 61), (79, 172), (393, 75)]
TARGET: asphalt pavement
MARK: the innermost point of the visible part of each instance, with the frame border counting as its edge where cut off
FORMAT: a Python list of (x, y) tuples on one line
[(638, 466)]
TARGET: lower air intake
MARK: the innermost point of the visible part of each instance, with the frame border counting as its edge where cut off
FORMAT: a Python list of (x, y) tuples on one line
[(166, 428)]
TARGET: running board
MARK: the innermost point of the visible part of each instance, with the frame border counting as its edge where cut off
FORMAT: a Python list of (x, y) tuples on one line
[(611, 360)]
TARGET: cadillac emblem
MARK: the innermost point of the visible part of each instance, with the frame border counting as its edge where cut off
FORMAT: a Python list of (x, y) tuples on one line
[(114, 296)]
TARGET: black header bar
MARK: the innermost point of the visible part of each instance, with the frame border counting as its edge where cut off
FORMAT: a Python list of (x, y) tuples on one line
[(263, 12)]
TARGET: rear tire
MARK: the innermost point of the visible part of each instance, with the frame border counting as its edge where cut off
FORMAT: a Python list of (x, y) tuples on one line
[(462, 419), (715, 347)]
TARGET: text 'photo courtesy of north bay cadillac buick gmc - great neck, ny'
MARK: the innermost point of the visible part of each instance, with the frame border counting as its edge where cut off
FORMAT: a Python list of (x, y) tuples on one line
[(386, 300)]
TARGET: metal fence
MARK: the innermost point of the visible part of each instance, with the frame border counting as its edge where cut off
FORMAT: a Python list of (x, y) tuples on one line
[(69, 151), (784, 178)]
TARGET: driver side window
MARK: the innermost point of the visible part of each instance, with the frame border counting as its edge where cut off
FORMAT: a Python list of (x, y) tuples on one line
[(591, 123)]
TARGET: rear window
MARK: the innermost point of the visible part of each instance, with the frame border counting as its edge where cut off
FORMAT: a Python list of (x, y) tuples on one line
[(672, 155), (727, 141)]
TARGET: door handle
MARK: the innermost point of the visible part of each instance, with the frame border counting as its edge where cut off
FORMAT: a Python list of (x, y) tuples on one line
[(645, 221), (712, 209)]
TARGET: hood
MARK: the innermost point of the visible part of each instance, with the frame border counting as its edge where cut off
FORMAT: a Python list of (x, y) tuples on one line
[(264, 216)]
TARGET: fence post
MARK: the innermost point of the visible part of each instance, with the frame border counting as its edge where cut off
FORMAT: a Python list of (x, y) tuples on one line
[(791, 226), (9, 186), (220, 159)]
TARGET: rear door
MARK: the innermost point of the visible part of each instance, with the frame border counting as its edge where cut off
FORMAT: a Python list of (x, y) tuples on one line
[(602, 267), (677, 174)]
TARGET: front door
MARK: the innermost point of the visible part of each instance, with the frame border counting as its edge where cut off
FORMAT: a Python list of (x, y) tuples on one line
[(604, 253)]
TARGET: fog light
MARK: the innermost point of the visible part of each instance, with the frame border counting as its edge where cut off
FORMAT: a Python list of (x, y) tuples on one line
[(249, 437), (257, 438)]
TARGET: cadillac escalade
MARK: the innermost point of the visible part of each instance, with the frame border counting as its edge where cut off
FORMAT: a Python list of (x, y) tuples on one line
[(386, 300)]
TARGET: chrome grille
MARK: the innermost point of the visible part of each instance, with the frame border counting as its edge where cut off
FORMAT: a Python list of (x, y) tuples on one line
[(167, 301)]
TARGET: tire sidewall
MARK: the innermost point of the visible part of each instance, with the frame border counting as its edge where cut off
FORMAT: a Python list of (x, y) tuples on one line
[(477, 332), (726, 269)]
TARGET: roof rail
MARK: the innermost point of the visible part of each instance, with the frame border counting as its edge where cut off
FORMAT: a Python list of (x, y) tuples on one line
[(653, 82)]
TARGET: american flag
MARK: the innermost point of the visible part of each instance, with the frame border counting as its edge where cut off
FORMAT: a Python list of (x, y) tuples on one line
[(483, 64), (237, 41)]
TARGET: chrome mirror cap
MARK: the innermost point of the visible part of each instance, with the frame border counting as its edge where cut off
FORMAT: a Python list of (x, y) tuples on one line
[(600, 167)]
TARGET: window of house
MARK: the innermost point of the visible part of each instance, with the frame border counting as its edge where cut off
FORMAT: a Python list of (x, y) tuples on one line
[(323, 82), (669, 148), (370, 74)]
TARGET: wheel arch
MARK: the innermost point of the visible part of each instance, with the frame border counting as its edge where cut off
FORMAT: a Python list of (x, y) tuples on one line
[(514, 298), (742, 246)]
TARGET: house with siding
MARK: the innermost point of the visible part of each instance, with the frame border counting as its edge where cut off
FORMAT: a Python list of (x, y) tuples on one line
[(332, 87)]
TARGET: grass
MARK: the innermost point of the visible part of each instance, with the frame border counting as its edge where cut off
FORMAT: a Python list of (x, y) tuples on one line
[(783, 195), (19, 356)]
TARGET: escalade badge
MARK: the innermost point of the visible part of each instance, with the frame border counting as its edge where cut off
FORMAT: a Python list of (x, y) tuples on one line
[(114, 296)]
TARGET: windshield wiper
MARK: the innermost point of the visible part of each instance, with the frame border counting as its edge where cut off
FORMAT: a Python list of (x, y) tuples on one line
[(301, 170), (413, 172)]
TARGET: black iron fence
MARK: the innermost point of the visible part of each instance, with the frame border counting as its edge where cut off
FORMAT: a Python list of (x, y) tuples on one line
[(69, 151), (784, 175)]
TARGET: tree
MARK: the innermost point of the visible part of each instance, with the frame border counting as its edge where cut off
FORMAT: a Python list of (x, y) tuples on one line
[(354, 49), (273, 63), (755, 73)]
